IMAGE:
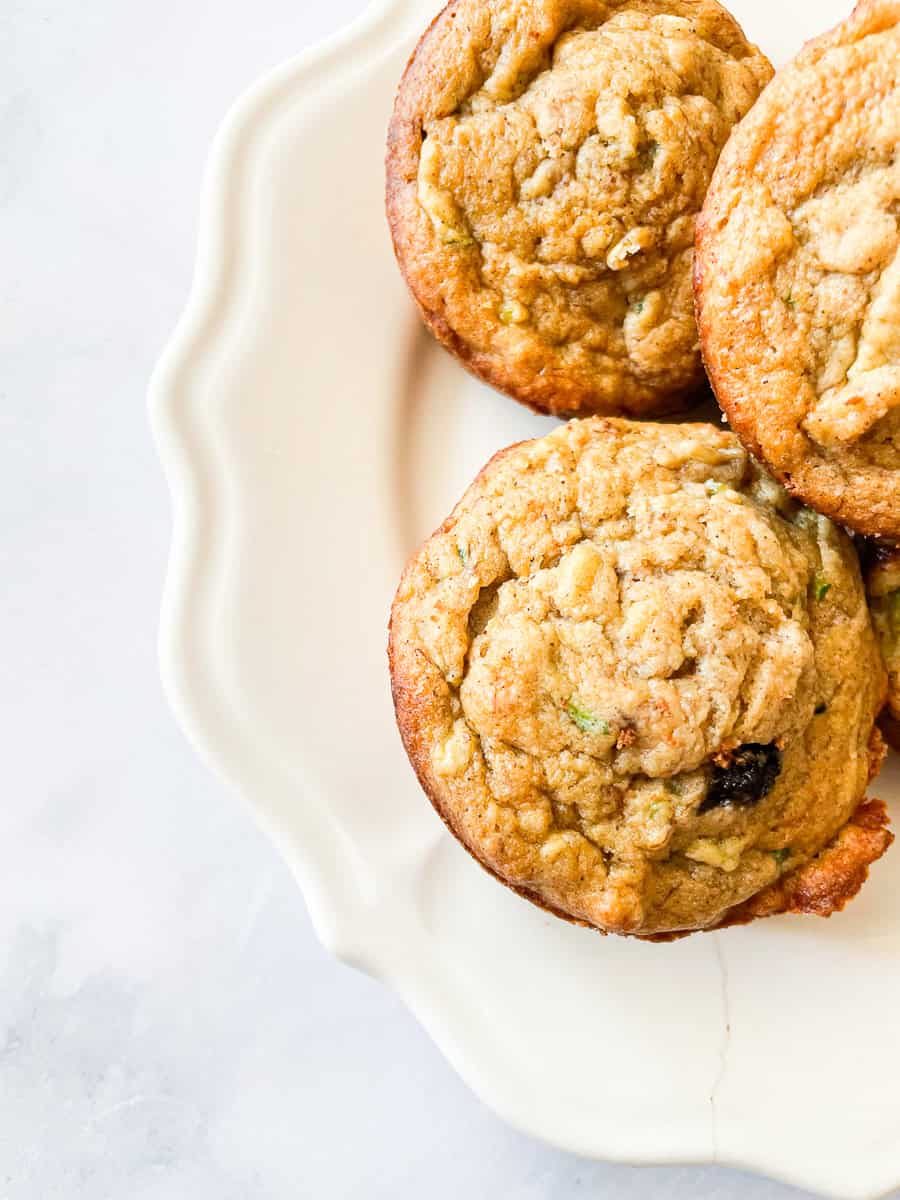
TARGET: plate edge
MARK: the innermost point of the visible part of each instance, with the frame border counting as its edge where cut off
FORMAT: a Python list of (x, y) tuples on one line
[(197, 322)]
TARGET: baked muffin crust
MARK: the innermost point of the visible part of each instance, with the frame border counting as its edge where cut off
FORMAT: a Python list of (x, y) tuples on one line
[(546, 163), (637, 681), (798, 273), (883, 589)]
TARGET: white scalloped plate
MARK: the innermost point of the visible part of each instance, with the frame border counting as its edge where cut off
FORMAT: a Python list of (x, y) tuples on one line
[(311, 434)]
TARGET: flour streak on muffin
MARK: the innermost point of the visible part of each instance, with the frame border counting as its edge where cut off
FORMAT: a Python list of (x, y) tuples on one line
[(546, 163), (639, 682), (798, 273)]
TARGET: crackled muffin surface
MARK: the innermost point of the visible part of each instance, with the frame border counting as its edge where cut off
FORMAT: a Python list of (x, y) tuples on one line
[(635, 678), (798, 273), (546, 163)]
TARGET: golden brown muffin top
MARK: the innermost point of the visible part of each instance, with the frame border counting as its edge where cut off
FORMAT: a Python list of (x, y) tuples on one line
[(547, 159), (798, 273), (635, 678)]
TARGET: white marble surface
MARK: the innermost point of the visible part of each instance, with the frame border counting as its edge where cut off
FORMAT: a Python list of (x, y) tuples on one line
[(169, 1026)]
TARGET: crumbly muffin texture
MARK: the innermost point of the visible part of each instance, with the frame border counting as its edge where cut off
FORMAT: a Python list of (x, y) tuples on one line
[(798, 273), (547, 160), (635, 678)]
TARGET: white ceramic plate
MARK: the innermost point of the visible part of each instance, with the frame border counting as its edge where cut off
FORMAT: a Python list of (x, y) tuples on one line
[(312, 434)]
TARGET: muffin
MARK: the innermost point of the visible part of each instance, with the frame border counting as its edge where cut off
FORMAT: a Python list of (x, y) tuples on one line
[(546, 163), (883, 587), (798, 274), (639, 682)]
